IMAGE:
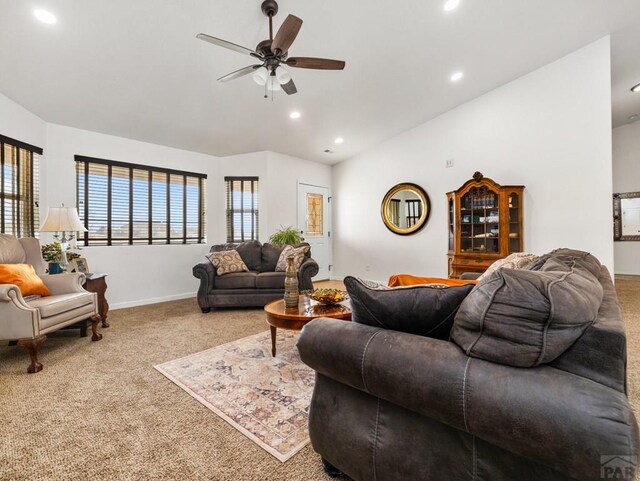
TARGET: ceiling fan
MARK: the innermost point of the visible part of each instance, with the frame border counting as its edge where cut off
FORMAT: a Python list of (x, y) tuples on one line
[(273, 54)]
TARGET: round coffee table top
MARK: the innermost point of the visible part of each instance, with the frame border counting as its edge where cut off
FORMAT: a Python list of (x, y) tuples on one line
[(295, 318)]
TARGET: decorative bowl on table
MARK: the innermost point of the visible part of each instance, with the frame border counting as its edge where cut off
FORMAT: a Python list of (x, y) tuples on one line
[(327, 297)]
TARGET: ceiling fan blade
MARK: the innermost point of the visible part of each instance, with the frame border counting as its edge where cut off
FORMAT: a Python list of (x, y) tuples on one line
[(286, 34), (289, 87), (315, 63), (239, 73), (223, 43)]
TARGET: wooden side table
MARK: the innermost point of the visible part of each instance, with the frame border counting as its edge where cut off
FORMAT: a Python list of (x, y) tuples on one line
[(98, 283), (295, 319)]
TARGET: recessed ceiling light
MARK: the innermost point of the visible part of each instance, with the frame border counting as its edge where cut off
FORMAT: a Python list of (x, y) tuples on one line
[(339, 140), (451, 5), (634, 117), (635, 88), (456, 76), (45, 16), (294, 115)]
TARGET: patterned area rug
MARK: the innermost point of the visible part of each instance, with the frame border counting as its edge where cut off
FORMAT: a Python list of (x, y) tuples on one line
[(265, 398)]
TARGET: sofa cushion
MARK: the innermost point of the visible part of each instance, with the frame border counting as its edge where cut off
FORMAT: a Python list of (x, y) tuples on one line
[(11, 251), (299, 255), (24, 276), (270, 280), (237, 280), (226, 262), (54, 305), (526, 318), (517, 260), (270, 255), (251, 253), (426, 310)]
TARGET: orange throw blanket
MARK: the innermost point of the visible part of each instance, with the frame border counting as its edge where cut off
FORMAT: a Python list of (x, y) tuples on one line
[(397, 280)]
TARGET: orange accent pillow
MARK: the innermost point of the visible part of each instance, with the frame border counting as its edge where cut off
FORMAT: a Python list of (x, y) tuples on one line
[(397, 280), (24, 276)]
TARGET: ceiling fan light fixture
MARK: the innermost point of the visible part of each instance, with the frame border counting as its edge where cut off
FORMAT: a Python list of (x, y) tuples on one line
[(260, 76), (283, 75), (272, 84)]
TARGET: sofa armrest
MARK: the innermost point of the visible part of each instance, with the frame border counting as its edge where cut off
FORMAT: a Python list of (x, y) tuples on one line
[(64, 283), (206, 273), (308, 269), (18, 320), (540, 413)]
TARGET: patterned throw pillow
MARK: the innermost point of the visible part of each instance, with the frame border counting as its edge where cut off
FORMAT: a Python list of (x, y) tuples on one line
[(298, 254), (517, 260), (226, 262)]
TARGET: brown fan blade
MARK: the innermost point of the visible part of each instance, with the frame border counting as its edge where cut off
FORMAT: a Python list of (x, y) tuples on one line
[(239, 73), (223, 43), (286, 34), (315, 63), (289, 87)]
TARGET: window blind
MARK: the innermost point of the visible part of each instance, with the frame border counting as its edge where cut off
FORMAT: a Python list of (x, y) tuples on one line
[(19, 188), (242, 208), (126, 204)]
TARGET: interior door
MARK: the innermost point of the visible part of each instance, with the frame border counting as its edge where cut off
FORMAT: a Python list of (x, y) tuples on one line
[(314, 224)]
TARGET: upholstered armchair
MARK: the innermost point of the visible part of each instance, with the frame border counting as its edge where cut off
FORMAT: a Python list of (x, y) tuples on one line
[(28, 321)]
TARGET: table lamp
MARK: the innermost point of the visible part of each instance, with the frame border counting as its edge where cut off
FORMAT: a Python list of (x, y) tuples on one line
[(63, 220)]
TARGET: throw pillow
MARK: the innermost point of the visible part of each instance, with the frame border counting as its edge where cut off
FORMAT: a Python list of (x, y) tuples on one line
[(24, 276), (226, 262), (517, 260), (525, 318), (298, 254), (426, 310)]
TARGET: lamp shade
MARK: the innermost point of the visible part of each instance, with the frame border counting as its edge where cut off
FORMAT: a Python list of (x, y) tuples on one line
[(260, 76), (61, 219), (283, 75)]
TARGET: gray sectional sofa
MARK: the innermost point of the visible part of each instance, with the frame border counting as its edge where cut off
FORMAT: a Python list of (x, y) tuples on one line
[(391, 405), (255, 288)]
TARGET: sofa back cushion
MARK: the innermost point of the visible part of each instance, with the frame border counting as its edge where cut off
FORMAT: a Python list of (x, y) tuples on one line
[(251, 254), (270, 256), (11, 251), (526, 318), (426, 310)]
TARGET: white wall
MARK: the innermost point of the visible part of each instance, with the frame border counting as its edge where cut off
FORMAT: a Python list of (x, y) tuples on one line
[(20, 124), (626, 178), (137, 274), (142, 273), (549, 130)]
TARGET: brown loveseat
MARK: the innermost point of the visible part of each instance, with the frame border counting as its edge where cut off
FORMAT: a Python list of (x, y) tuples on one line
[(257, 287)]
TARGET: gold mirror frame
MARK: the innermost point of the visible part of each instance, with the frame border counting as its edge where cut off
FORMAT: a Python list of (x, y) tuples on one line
[(424, 217)]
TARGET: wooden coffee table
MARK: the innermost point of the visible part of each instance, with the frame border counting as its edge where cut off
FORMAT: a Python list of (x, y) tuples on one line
[(295, 318)]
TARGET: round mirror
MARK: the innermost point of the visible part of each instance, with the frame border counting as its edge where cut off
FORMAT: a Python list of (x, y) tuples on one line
[(405, 209)]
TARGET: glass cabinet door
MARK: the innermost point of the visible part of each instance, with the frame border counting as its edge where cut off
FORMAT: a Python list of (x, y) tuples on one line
[(479, 221), (514, 223), (451, 223)]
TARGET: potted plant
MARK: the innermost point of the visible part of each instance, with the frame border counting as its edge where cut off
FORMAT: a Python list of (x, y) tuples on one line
[(52, 254), (286, 235)]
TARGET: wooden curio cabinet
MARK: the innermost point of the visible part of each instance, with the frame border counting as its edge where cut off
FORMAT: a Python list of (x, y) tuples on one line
[(485, 224)]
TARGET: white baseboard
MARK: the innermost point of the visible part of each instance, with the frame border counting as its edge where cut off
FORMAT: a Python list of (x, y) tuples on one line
[(152, 300)]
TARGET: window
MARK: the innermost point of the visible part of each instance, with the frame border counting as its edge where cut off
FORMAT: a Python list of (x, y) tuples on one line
[(19, 188), (242, 208), (122, 203)]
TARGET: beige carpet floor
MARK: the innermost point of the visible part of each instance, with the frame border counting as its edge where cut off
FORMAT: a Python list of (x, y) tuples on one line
[(99, 411)]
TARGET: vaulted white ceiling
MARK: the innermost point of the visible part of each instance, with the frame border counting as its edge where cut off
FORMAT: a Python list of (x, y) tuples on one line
[(133, 68)]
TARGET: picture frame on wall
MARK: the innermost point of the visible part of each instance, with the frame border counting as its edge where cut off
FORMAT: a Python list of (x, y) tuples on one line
[(626, 216), (80, 264)]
